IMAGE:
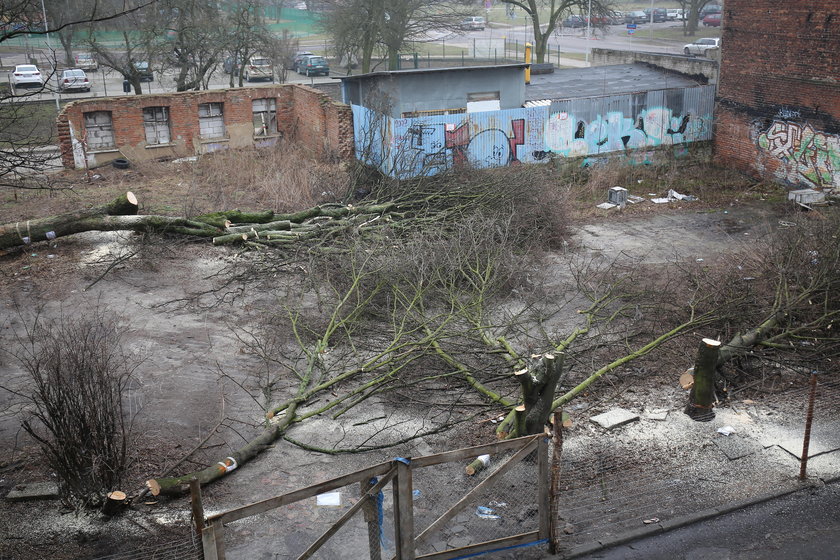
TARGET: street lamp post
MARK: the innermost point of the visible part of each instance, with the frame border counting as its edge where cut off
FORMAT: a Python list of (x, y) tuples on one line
[(588, 27)]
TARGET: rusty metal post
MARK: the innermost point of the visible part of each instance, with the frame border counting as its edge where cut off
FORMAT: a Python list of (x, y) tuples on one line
[(197, 507), (371, 513), (809, 417), (554, 505)]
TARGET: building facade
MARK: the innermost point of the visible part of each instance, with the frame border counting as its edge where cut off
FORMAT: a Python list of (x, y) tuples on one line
[(778, 107), (146, 127)]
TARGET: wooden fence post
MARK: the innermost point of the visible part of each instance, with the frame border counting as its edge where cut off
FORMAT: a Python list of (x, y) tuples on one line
[(404, 510), (371, 512), (554, 508), (197, 507), (544, 478)]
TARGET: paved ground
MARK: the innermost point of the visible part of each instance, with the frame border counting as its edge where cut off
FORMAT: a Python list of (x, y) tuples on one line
[(803, 526)]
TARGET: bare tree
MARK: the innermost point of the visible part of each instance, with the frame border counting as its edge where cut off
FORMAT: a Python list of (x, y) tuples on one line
[(23, 161), (543, 27), (691, 14), (80, 378), (357, 27)]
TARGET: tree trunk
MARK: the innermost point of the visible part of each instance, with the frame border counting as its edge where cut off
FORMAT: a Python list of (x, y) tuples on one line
[(702, 396), (538, 382), (44, 229)]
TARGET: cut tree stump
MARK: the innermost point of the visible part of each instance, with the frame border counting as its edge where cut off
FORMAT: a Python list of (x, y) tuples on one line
[(701, 399), (115, 503)]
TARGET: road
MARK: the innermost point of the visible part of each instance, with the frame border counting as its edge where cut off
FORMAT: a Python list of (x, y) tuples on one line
[(106, 82), (802, 526)]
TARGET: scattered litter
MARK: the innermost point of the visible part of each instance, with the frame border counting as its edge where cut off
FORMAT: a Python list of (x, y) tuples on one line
[(674, 195), (50, 256), (784, 223), (486, 513), (150, 503), (415, 493), (496, 504), (633, 199), (726, 430), (698, 260), (651, 520), (684, 197), (748, 401), (804, 197), (607, 206), (569, 529), (329, 499), (617, 196), (187, 159)]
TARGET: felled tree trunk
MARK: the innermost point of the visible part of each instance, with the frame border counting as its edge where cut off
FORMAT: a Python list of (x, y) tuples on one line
[(702, 396), (45, 229), (538, 382)]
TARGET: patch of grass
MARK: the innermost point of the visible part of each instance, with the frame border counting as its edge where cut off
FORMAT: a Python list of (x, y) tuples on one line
[(27, 124)]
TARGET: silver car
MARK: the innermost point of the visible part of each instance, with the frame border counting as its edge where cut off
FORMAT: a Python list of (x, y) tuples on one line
[(73, 79), (700, 46)]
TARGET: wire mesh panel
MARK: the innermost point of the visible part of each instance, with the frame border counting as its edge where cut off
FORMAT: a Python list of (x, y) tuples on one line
[(187, 548), (289, 531), (505, 504)]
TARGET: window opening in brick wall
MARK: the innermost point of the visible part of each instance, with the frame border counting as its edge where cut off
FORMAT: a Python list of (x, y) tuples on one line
[(413, 114), (211, 120), (265, 116), (156, 123), (99, 130)]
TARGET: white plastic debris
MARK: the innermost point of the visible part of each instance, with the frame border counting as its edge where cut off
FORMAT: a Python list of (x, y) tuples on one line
[(726, 430), (607, 206), (329, 499)]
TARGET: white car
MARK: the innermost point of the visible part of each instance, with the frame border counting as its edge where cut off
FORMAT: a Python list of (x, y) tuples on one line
[(700, 46), (475, 23), (26, 75)]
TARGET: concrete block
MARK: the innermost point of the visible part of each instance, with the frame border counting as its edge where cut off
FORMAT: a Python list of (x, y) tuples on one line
[(806, 196), (614, 418), (33, 491)]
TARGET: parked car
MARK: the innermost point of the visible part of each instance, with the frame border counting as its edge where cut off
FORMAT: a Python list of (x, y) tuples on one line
[(299, 57), (700, 46), (314, 65), (616, 17), (86, 61), (637, 17), (712, 20), (676, 14), (259, 68), (74, 78), (145, 72), (710, 9), (574, 22), (474, 23), (659, 15), (26, 75)]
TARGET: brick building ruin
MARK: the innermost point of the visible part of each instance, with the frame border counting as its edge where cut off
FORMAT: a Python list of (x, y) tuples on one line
[(148, 127)]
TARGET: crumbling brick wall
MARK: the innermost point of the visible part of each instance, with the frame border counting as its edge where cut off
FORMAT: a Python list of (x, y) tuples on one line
[(778, 110), (304, 115)]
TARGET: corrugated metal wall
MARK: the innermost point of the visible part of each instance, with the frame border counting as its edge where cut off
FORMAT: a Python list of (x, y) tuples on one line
[(570, 128)]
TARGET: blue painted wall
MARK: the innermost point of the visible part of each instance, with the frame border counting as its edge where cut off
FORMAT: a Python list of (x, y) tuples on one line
[(571, 128)]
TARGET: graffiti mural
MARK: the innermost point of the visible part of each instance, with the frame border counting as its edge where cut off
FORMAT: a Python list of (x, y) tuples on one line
[(803, 155), (583, 127)]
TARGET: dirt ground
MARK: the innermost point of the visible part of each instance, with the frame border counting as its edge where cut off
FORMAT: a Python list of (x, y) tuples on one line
[(181, 393)]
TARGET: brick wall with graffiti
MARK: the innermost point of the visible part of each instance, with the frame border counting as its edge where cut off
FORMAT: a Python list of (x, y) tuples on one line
[(585, 127), (778, 113)]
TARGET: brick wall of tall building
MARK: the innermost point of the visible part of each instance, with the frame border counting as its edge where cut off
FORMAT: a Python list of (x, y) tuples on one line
[(778, 109), (303, 115)]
